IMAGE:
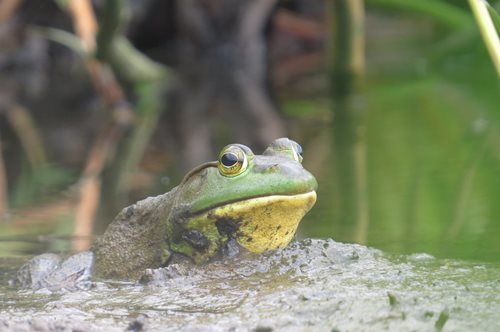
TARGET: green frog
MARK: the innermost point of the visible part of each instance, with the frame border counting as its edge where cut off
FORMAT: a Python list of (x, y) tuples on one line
[(241, 200)]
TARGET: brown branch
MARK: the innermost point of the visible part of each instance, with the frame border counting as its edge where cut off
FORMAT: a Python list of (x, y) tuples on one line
[(105, 83), (85, 25), (297, 26), (8, 8), (84, 22)]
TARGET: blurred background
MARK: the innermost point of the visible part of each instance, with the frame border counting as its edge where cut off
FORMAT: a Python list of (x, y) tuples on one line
[(395, 103)]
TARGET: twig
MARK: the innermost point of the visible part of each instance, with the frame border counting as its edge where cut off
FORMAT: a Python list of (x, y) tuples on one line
[(108, 51), (84, 22), (106, 84), (85, 25), (8, 8)]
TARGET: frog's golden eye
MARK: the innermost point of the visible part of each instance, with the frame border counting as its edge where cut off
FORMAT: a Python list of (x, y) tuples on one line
[(232, 161), (298, 153)]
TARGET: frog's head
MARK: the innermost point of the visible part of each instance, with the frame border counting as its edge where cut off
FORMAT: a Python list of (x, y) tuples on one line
[(257, 200)]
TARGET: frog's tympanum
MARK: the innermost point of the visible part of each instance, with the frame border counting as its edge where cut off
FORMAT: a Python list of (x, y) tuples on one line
[(241, 200)]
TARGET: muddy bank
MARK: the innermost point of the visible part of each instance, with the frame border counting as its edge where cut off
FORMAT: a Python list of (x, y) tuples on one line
[(319, 285)]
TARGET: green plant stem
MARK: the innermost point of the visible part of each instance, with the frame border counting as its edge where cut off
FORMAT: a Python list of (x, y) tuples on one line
[(346, 45), (132, 65), (488, 31), (110, 23), (60, 36)]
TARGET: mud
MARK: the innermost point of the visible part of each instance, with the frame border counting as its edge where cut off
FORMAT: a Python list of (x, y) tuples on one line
[(313, 285)]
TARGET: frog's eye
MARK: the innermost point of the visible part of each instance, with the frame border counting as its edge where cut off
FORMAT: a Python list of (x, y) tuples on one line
[(298, 153), (232, 161)]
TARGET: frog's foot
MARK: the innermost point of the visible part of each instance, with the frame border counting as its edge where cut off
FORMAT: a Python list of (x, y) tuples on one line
[(34, 271), (51, 272)]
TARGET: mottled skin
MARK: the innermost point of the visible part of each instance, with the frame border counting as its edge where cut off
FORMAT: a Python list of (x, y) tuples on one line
[(184, 220), (135, 240), (52, 272), (240, 200)]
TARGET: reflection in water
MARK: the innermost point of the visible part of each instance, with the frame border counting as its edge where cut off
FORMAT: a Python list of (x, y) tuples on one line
[(350, 168), (222, 85), (405, 168), (415, 169)]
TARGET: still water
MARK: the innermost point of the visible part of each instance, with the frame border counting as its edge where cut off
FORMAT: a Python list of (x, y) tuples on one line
[(404, 167), (409, 169)]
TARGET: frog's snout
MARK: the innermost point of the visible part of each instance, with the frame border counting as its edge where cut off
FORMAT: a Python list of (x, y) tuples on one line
[(273, 168), (284, 168)]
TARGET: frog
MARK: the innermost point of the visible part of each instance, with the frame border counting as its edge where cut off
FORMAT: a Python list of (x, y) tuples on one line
[(50, 271), (241, 201)]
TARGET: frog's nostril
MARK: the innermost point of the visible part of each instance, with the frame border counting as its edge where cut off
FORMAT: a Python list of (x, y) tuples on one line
[(273, 168)]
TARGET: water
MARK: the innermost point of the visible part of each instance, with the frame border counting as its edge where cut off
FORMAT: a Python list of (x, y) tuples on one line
[(317, 285), (409, 169), (401, 168)]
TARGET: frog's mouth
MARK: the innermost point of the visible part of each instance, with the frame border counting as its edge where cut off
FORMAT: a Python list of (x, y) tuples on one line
[(263, 223), (257, 224)]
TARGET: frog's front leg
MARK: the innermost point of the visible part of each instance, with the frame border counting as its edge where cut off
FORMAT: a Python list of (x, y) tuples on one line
[(52, 272), (32, 273)]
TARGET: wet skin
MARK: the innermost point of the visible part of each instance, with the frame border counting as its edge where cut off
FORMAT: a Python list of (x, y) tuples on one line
[(241, 200)]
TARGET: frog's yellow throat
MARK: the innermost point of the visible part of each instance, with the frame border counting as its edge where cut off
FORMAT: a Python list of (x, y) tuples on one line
[(265, 223)]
